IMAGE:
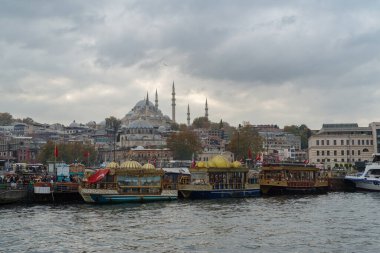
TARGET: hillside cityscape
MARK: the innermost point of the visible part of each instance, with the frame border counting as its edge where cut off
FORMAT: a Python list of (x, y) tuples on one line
[(147, 135)]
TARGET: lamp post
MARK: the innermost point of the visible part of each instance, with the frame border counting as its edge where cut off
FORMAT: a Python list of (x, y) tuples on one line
[(238, 149)]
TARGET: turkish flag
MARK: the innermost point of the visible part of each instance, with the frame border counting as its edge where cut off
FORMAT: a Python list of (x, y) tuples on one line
[(55, 151)]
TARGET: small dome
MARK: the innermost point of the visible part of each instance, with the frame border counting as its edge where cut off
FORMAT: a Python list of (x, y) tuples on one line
[(113, 165), (200, 164), (236, 164), (219, 161), (148, 166), (131, 165), (74, 124)]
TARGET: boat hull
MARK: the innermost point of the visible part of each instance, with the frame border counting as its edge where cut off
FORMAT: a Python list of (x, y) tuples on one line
[(13, 196), (365, 184), (218, 194), (278, 190), (113, 197)]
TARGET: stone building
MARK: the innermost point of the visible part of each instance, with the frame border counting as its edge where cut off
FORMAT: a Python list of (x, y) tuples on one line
[(344, 143)]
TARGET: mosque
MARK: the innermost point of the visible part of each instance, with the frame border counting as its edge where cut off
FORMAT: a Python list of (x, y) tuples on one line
[(145, 124)]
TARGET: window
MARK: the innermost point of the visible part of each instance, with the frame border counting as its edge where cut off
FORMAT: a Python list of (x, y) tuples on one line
[(322, 142), (353, 152), (327, 142), (353, 142), (342, 160), (323, 153), (317, 142), (358, 152), (358, 142), (328, 152), (362, 142), (347, 142), (342, 142), (367, 142), (334, 142), (371, 142), (342, 152), (318, 160), (335, 153), (317, 152)]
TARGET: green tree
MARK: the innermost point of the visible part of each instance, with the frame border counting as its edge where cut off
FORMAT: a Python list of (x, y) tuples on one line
[(184, 144), (68, 152), (244, 139), (201, 122), (28, 120), (5, 119), (303, 131)]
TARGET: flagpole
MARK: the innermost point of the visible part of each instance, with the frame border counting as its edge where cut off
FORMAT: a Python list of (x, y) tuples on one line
[(55, 160)]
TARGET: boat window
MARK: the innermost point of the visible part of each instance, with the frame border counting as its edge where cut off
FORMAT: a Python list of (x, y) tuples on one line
[(198, 178), (151, 181), (375, 172), (128, 181)]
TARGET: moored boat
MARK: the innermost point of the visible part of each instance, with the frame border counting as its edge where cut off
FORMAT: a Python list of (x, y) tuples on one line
[(130, 182), (370, 178), (292, 178), (219, 178), (12, 193)]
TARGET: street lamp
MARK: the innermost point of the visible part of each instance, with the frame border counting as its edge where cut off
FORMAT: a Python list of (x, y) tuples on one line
[(238, 131)]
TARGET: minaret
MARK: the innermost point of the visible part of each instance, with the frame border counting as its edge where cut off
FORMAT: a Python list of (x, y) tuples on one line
[(206, 110), (156, 101), (146, 105), (173, 103), (188, 115)]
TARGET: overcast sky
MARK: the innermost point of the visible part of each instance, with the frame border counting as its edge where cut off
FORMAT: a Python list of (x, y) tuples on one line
[(266, 62)]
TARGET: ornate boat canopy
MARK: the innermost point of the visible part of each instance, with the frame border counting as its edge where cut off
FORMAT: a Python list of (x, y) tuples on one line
[(219, 163)]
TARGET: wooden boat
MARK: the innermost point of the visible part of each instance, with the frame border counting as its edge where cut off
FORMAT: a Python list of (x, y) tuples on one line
[(129, 182), (219, 178), (292, 178)]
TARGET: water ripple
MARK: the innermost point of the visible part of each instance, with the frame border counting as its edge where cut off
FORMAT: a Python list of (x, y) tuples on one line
[(335, 222)]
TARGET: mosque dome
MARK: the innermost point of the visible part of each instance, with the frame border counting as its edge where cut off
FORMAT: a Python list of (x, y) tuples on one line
[(142, 103), (139, 124)]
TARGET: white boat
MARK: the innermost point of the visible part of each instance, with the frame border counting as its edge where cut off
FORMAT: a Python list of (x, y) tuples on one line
[(370, 178)]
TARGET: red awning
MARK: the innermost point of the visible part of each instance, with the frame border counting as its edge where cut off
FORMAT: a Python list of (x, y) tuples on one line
[(98, 175)]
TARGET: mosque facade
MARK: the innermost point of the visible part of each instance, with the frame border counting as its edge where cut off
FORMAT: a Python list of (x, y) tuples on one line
[(145, 125)]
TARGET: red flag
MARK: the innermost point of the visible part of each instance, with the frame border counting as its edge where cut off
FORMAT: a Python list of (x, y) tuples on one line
[(55, 151), (258, 157)]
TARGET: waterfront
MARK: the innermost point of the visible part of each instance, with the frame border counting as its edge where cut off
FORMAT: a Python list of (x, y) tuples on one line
[(334, 222)]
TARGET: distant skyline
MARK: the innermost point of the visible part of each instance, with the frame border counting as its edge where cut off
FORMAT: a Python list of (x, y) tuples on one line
[(266, 62)]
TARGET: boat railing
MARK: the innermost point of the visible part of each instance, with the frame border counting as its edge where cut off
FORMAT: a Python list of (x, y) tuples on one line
[(66, 187), (102, 185), (169, 186), (219, 186), (13, 186), (301, 183)]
